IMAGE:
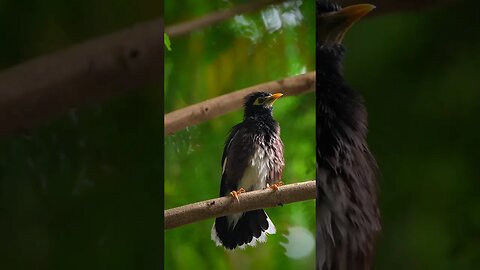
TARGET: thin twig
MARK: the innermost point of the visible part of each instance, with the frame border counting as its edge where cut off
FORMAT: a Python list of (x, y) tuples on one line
[(248, 201), (214, 107), (212, 18)]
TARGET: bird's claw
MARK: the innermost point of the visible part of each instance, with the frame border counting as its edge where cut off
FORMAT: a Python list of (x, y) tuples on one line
[(235, 194), (275, 186)]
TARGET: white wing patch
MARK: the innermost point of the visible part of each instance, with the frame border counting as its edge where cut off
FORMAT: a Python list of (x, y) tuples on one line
[(224, 165)]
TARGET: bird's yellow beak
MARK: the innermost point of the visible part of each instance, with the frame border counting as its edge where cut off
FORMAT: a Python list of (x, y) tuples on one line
[(332, 26), (273, 98)]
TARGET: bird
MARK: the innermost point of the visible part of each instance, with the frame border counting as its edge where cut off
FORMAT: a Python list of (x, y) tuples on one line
[(348, 217), (252, 160)]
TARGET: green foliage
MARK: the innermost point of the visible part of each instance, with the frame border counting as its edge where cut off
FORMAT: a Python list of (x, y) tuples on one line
[(217, 60), (166, 40)]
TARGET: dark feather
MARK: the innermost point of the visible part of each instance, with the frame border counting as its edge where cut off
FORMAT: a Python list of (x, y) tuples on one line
[(347, 211), (250, 225), (325, 6), (233, 168), (258, 131)]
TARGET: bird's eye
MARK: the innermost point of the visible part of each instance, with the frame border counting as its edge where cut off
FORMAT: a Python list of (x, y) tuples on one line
[(260, 100)]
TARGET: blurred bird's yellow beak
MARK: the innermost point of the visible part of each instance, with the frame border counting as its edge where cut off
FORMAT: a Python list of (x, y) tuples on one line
[(333, 25), (273, 98)]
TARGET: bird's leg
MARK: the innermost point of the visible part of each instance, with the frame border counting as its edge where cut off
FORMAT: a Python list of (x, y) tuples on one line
[(275, 186), (235, 193)]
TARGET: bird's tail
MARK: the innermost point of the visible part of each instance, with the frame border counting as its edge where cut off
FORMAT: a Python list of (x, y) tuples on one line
[(241, 230), (338, 248)]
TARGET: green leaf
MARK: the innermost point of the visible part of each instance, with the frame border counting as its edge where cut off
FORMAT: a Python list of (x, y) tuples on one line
[(166, 40)]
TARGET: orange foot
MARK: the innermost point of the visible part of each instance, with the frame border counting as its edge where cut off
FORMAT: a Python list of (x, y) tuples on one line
[(235, 194), (275, 186)]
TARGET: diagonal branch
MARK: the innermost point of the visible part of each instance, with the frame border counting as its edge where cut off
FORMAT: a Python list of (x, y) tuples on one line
[(203, 111), (40, 88), (212, 18), (218, 207)]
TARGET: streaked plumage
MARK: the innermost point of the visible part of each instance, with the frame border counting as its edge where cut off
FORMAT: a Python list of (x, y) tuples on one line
[(252, 158), (347, 211)]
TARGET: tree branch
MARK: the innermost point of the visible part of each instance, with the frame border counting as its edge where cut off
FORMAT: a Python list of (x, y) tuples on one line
[(33, 91), (203, 111), (258, 199), (212, 18)]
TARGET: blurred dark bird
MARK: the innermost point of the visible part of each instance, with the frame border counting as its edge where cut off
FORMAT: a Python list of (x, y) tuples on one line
[(347, 210), (252, 159)]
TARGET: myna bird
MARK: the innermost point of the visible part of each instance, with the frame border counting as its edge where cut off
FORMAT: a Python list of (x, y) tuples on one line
[(347, 210), (252, 160)]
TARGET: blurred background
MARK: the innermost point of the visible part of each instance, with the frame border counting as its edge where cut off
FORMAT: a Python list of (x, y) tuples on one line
[(84, 189), (417, 64), (269, 44)]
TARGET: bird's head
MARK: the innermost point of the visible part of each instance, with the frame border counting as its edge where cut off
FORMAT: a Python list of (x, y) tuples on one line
[(334, 21), (260, 103)]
